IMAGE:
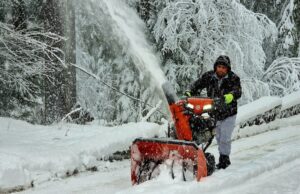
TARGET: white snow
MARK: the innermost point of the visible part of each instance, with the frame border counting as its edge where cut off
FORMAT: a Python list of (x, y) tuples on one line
[(252, 157), (264, 163), (32, 152), (290, 100), (257, 107), (42, 155), (132, 29)]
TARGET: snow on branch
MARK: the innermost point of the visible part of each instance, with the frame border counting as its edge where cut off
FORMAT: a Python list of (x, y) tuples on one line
[(197, 31), (283, 76), (23, 55), (70, 113), (115, 89), (253, 89), (152, 111)]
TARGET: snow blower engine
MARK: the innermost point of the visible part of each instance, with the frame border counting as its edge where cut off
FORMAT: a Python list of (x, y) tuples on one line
[(186, 144)]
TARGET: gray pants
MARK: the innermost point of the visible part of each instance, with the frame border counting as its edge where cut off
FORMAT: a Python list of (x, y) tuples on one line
[(224, 131)]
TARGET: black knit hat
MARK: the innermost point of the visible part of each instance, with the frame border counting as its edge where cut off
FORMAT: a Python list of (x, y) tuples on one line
[(223, 60)]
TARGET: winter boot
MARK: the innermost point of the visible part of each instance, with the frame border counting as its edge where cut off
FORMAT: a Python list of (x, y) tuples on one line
[(224, 162)]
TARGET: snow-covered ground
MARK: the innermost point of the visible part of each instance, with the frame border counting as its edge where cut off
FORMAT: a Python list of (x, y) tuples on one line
[(264, 157), (31, 154), (264, 163)]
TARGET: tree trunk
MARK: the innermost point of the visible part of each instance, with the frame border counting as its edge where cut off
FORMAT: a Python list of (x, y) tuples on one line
[(70, 51), (53, 86), (60, 92), (54, 96)]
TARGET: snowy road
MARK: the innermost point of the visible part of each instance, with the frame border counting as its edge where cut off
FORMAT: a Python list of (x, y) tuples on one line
[(265, 163)]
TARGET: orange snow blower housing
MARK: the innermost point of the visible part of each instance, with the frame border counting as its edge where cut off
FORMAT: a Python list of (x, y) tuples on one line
[(181, 117), (186, 144)]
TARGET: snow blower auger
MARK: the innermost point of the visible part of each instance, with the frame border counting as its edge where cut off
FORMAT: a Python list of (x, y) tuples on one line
[(185, 145)]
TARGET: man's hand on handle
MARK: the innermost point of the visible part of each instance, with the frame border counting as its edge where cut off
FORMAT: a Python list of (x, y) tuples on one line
[(187, 93), (228, 98)]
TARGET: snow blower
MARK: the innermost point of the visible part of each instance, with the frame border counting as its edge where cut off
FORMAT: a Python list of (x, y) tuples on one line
[(186, 144)]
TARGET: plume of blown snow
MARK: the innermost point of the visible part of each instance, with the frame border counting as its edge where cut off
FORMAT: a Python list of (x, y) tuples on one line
[(131, 31)]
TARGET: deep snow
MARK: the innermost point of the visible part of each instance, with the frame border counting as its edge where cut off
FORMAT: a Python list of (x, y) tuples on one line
[(39, 153), (264, 163), (43, 155)]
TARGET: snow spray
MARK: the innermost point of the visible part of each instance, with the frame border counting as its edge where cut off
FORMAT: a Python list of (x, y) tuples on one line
[(131, 30)]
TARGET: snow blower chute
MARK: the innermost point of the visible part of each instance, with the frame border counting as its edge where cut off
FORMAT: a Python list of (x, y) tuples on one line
[(187, 141)]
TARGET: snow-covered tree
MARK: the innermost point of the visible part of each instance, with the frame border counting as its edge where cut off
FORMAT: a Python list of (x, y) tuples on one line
[(283, 76), (23, 55), (288, 36), (188, 35), (101, 51), (286, 16), (191, 34), (37, 69)]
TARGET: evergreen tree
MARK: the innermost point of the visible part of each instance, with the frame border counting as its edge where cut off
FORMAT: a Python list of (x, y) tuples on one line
[(285, 14), (100, 52), (23, 55)]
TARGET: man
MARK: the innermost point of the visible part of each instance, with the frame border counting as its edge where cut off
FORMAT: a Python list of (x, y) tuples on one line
[(223, 83)]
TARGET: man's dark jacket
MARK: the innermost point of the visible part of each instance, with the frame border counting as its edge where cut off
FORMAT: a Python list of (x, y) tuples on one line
[(229, 84)]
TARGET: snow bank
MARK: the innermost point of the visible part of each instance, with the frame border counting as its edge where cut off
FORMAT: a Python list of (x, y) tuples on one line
[(258, 107), (27, 150), (290, 100), (266, 107), (12, 172)]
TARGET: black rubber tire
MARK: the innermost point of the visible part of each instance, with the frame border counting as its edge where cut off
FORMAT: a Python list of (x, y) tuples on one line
[(210, 163)]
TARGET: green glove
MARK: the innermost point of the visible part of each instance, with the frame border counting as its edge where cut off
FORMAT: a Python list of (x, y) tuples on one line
[(187, 93), (228, 98)]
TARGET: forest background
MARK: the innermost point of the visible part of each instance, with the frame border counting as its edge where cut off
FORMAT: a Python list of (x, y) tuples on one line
[(42, 40)]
